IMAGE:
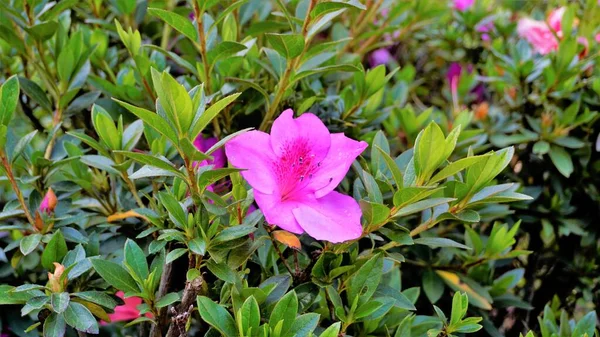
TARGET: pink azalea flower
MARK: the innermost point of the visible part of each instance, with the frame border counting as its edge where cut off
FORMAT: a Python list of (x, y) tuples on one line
[(127, 311), (379, 56), (203, 144), (463, 5), (597, 38), (538, 34), (294, 171)]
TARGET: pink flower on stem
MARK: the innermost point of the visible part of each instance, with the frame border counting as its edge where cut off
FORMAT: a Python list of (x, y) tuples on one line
[(294, 171), (127, 311), (463, 5)]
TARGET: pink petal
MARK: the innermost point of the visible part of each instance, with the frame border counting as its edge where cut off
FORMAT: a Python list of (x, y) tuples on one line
[(555, 19), (463, 5), (252, 151), (334, 167), (334, 218), (278, 212), (538, 34), (287, 132), (203, 145)]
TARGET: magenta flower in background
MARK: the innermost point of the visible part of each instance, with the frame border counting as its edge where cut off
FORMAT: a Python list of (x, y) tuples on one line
[(379, 56), (294, 171), (597, 38), (463, 5), (203, 144)]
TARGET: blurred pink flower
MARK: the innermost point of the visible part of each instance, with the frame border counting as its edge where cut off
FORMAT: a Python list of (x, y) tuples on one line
[(597, 38), (379, 56), (203, 144), (538, 34), (463, 5), (127, 311), (294, 171), (485, 27)]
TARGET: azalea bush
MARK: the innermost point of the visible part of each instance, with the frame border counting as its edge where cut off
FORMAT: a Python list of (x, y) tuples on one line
[(299, 168)]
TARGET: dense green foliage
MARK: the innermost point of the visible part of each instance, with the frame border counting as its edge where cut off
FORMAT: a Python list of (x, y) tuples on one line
[(479, 189)]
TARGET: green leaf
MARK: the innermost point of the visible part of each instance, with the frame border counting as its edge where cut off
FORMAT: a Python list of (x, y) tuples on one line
[(322, 70), (9, 97), (249, 316), (224, 50), (176, 212), (211, 113), (29, 243), (287, 45), (392, 167), (59, 7), (285, 310), (36, 93), (115, 275), (221, 270), (80, 318), (97, 297), (59, 302), (331, 6), (455, 167), (197, 246), (367, 309), (161, 163), (421, 206), (175, 254), (174, 99), (54, 326), (433, 286), (233, 233), (105, 127), (586, 325), (460, 303), (562, 160), (303, 326), (440, 243), (55, 250), (153, 120), (216, 316), (168, 299), (364, 282), (332, 331), (429, 151), (180, 23), (136, 259)]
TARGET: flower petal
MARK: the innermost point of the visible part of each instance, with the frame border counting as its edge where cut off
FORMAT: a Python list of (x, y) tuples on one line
[(287, 131), (334, 167), (252, 151), (334, 218), (203, 144), (278, 212)]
